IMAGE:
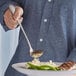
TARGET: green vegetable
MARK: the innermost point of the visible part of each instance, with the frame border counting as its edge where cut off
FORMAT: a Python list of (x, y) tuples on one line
[(42, 67)]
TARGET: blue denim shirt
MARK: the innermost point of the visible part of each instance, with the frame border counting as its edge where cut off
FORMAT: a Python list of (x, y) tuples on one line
[(50, 26)]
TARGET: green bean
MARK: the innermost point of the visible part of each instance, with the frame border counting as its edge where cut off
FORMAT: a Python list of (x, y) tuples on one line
[(42, 67)]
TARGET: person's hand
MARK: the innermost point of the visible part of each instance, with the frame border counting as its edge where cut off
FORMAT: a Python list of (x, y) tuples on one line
[(67, 65), (11, 20)]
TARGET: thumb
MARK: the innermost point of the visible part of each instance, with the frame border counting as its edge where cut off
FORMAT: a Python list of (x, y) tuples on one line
[(18, 13)]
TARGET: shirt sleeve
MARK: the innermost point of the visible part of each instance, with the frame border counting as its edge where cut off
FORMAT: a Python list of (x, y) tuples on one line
[(72, 56), (4, 4)]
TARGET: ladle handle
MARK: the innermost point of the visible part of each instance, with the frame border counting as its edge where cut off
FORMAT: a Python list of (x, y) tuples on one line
[(12, 9)]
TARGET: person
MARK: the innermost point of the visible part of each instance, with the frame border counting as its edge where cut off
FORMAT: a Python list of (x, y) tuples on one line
[(50, 26)]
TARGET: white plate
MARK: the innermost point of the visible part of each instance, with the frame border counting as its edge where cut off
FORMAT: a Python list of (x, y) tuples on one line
[(20, 67)]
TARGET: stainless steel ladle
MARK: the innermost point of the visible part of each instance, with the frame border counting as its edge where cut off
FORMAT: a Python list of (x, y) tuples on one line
[(33, 53)]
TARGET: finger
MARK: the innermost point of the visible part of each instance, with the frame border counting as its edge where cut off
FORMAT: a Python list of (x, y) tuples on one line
[(9, 21), (15, 23), (20, 20), (18, 13), (7, 14)]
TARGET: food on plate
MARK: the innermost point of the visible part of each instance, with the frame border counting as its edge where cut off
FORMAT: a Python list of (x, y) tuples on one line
[(42, 67), (37, 65), (70, 65)]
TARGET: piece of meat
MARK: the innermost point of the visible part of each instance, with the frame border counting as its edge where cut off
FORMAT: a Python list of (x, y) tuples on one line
[(68, 65)]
